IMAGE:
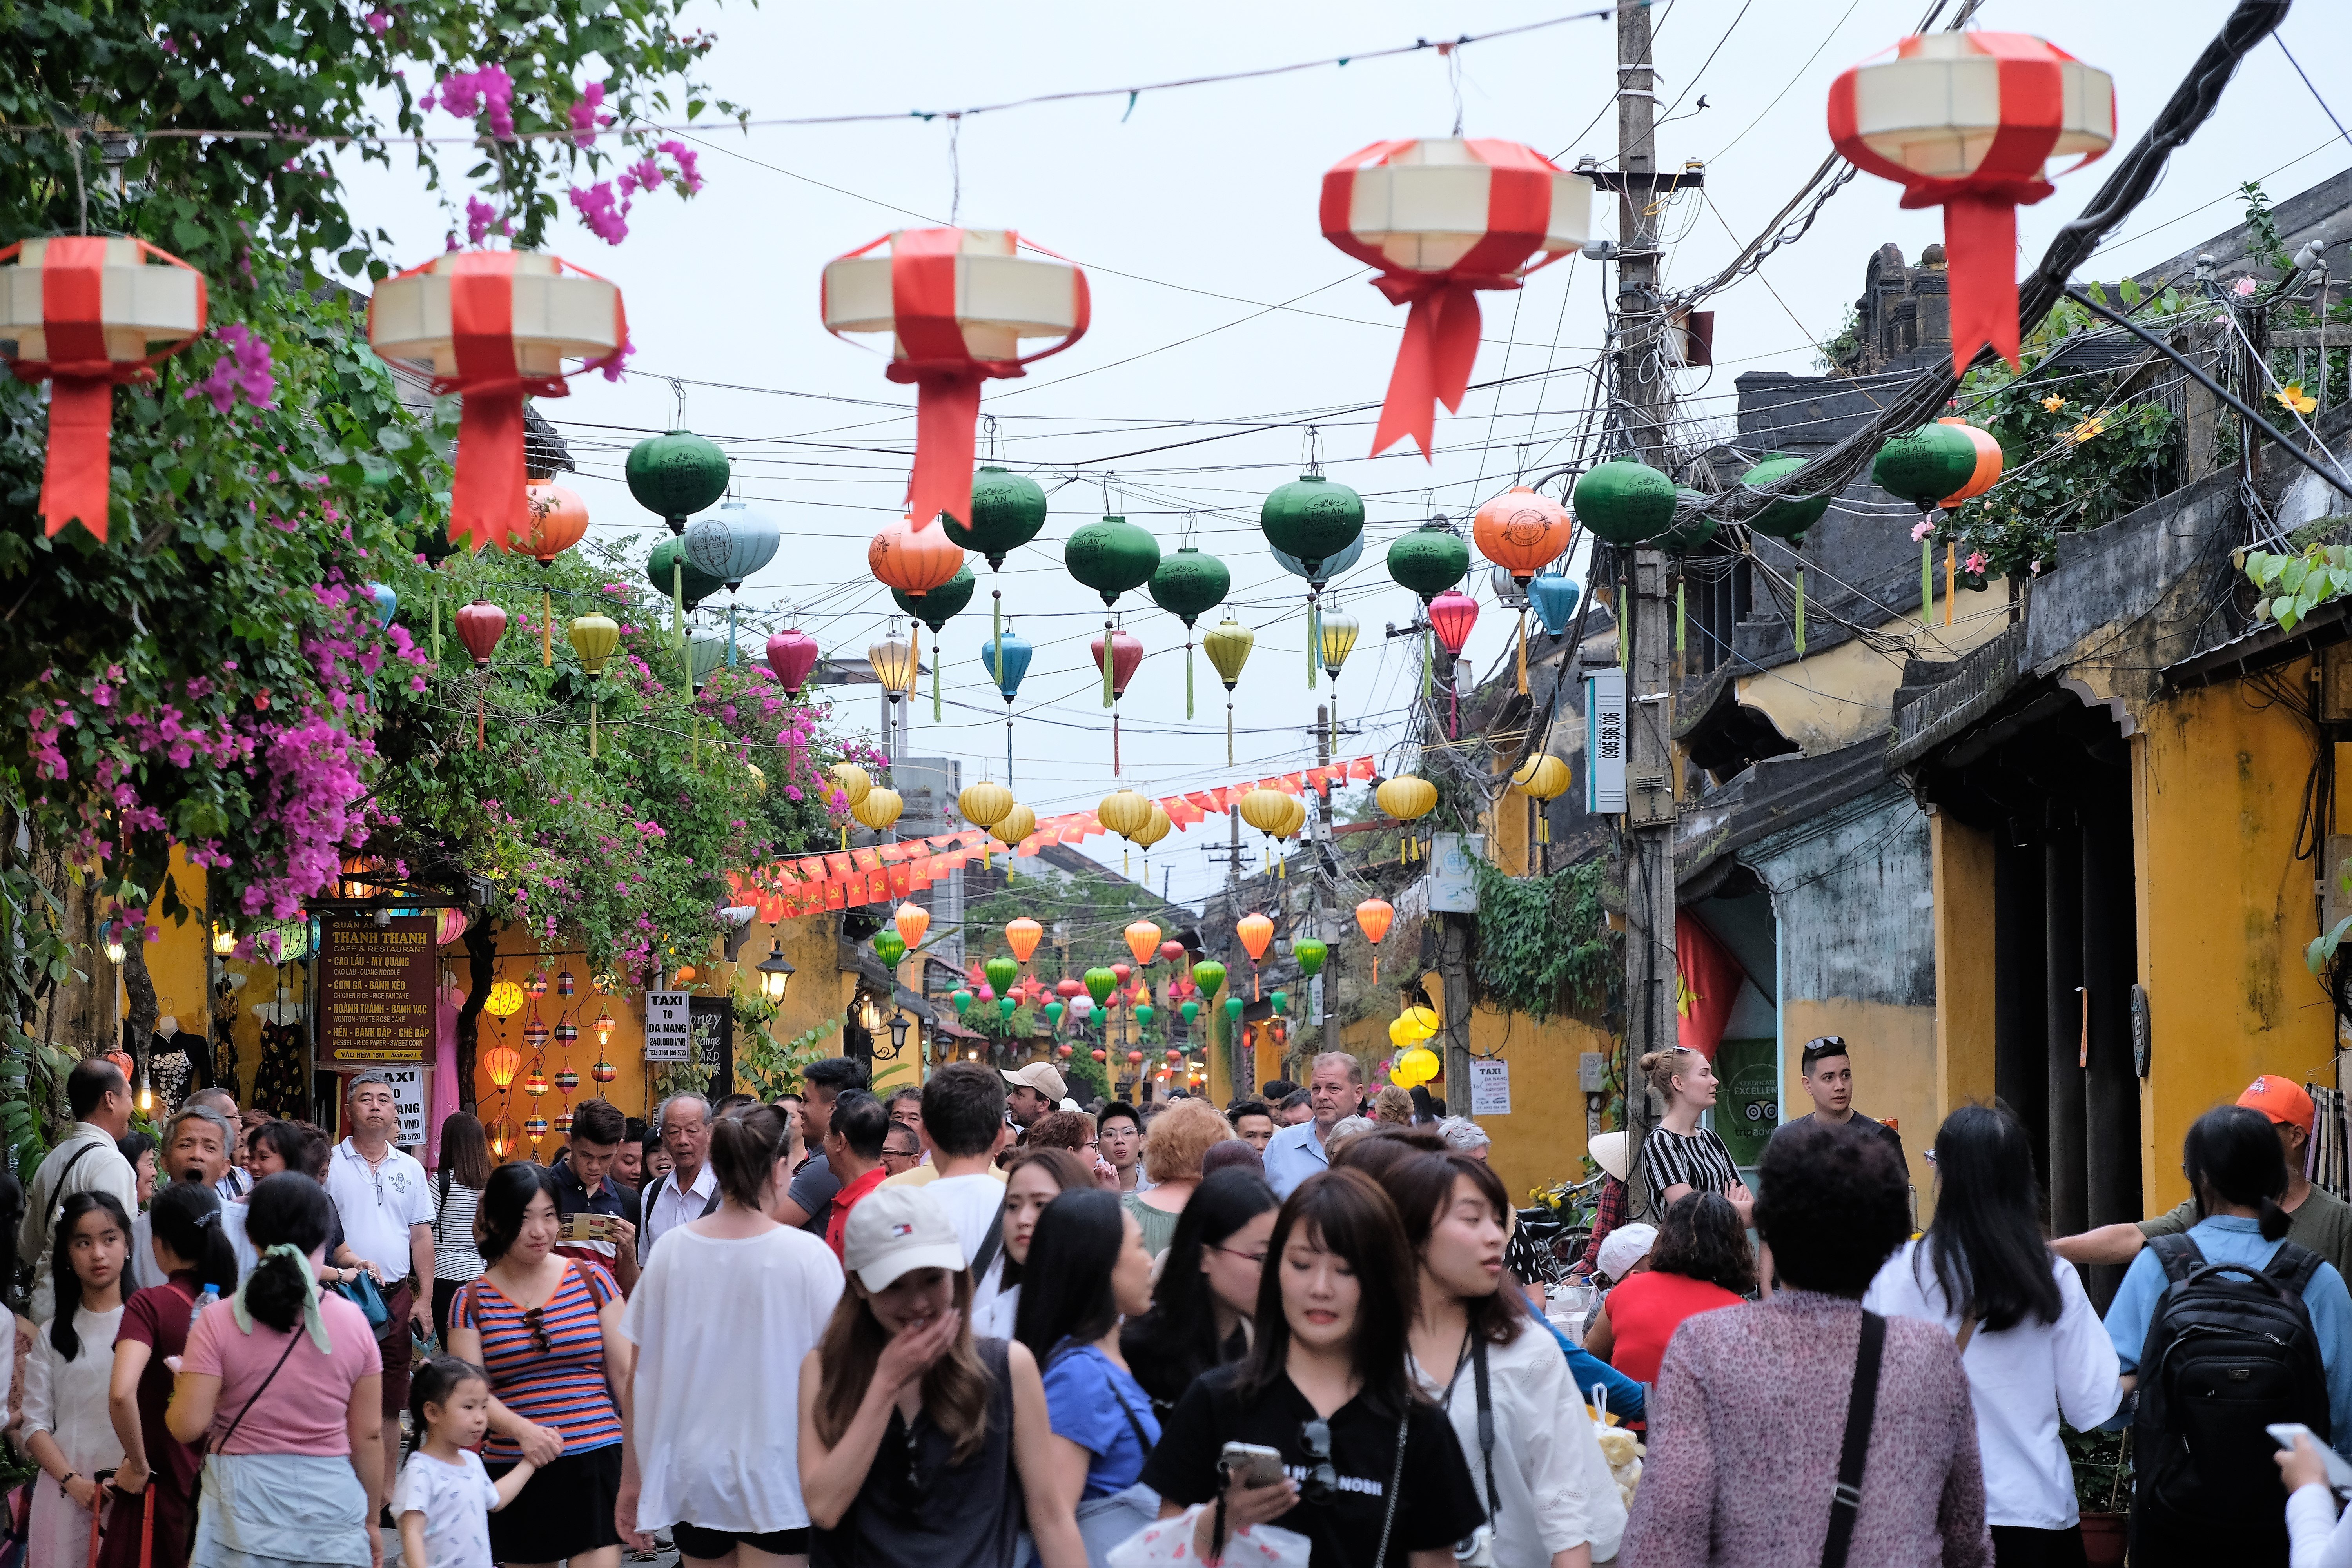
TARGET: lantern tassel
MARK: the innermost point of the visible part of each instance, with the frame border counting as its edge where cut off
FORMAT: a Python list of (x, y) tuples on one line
[(1682, 625), (546, 630), (996, 618), (1952, 577), (591, 727), (1109, 657), (1523, 653), (1927, 584), (914, 673), (1229, 734), (436, 622), (1313, 637), (1114, 743), (1188, 677), (481, 713), (936, 709)]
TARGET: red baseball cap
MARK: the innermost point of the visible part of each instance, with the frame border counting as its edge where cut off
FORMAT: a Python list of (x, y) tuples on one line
[(2280, 1098)]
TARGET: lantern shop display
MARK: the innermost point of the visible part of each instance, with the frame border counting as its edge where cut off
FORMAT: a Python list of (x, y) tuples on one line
[(88, 313), (957, 303), (495, 325), (1440, 218)]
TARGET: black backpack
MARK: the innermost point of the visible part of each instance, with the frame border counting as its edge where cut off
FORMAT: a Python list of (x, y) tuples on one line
[(2229, 1351)]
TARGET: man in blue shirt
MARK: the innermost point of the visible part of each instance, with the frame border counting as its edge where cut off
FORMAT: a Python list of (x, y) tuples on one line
[(1294, 1153)]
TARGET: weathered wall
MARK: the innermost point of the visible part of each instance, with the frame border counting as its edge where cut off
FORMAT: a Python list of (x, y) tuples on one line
[(1853, 898), (1963, 866), (1844, 693)]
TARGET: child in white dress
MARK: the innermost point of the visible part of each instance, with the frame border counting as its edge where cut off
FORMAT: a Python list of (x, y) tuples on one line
[(67, 1429), (445, 1497)]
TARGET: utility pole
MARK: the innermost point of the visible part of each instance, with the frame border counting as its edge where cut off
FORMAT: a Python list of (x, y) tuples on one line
[(1243, 1064), (1644, 400)]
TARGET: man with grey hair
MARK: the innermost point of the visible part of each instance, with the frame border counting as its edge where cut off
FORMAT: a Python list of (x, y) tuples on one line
[(197, 1142), (386, 1202), (233, 1183), (690, 1190), (1464, 1136), (1333, 1089)]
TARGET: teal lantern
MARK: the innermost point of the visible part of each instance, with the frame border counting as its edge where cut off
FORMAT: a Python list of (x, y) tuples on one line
[(962, 1000), (731, 543), (1310, 954), (889, 947), (1625, 502), (1111, 557), (1553, 595), (1190, 1010), (1234, 1009), (1144, 1013), (1188, 584), (1314, 519), (1430, 559), (935, 609), (1053, 1011), (1006, 1006), (1002, 971), (706, 651), (1281, 1002), (675, 475), (386, 601)]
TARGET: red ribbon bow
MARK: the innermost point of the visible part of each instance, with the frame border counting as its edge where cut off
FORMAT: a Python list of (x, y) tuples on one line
[(942, 367), (1981, 208), (1441, 333), (76, 473)]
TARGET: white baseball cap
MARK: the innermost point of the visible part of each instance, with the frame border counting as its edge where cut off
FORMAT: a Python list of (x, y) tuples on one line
[(1041, 1076), (1619, 1250), (894, 1229)]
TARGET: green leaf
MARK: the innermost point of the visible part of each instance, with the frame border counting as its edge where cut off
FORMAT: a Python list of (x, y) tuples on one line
[(2129, 289)]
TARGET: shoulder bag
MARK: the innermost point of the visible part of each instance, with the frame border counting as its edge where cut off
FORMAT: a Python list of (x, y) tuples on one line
[(1106, 1521), (1862, 1409)]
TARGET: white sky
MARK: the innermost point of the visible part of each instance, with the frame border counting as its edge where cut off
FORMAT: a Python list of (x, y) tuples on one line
[(1203, 201)]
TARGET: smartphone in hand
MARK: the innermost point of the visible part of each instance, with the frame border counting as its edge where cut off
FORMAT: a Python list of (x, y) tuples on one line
[(2339, 1473)]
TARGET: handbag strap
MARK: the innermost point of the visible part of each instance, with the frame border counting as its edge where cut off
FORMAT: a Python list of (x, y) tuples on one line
[(292, 1340), (1396, 1479), (1861, 1408), (1486, 1425), (1968, 1332)]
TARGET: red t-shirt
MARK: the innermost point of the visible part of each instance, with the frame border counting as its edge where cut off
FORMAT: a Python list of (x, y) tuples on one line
[(844, 1200), (1646, 1309)]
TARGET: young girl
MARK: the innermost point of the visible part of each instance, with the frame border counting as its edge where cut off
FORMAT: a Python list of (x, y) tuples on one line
[(65, 1426), (1033, 1179), (443, 1498)]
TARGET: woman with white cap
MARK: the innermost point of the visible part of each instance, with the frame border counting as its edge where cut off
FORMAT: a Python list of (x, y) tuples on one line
[(919, 1442)]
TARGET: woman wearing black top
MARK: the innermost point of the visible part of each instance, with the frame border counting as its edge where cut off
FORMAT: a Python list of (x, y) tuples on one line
[(1325, 1385), (1208, 1287)]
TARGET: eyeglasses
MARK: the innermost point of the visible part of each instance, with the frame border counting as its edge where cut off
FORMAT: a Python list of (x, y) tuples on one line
[(1322, 1483), (535, 1320), (1256, 1260)]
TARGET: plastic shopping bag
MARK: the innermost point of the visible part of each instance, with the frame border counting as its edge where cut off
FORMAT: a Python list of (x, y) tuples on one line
[(1168, 1543)]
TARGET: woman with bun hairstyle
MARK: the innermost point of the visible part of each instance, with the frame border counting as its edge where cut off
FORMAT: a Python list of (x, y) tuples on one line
[(157, 1483), (1678, 1154), (286, 1385)]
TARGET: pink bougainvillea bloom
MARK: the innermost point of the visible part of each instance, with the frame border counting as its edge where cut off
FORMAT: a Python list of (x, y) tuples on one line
[(600, 210), (2244, 287), (242, 374), (481, 218), (1919, 530), (687, 174), (586, 116), (1977, 562)]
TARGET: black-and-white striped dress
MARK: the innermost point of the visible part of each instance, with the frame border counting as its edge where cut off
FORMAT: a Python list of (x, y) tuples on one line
[(1698, 1161)]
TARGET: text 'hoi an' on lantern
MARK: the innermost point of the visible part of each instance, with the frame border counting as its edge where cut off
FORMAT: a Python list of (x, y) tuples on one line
[(957, 303), (495, 325), (87, 314), (1967, 121), (1442, 217)]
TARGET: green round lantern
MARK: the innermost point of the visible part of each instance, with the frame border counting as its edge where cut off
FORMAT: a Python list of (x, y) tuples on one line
[(1625, 502), (1053, 1011), (1190, 1010), (1111, 557), (1007, 510), (962, 1000), (1144, 1013), (1234, 1008), (1690, 534), (695, 584), (1100, 983), (1190, 583), (1926, 466), (1310, 954), (889, 947), (935, 608), (1281, 1001), (1786, 519), (1209, 975), (1313, 518), (1430, 559), (1002, 971), (675, 475)]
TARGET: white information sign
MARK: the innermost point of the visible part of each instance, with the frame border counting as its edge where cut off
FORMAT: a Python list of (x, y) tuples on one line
[(1453, 861), (667, 1036), (1604, 740), (410, 1085), (1490, 1089)]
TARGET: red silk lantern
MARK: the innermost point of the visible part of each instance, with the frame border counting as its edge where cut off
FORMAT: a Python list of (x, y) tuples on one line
[(1442, 218), (1172, 950), (1522, 533), (913, 560), (956, 302), (1174, 1055), (1061, 1050), (1101, 1055), (82, 313), (497, 326), (1021, 936), (1966, 121), (479, 626), (1452, 614), (1126, 652), (793, 655), (1134, 1057), (1067, 988), (1121, 972)]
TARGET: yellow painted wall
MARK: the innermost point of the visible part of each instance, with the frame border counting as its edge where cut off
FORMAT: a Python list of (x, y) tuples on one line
[(1896, 1081), (1839, 696), (2226, 909), (1963, 868)]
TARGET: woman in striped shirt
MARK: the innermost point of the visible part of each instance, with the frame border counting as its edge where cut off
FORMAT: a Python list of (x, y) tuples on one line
[(547, 1328), (465, 1167), (1679, 1155)]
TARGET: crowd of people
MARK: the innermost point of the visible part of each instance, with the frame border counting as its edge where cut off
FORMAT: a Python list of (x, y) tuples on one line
[(973, 1325)]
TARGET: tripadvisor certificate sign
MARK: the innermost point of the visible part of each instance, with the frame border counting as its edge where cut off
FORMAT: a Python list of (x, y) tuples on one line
[(375, 991)]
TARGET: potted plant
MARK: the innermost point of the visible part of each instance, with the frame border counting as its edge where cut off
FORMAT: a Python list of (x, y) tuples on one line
[(2102, 1465)]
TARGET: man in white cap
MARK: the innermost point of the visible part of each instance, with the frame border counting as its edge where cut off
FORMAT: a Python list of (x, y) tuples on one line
[(1032, 1091)]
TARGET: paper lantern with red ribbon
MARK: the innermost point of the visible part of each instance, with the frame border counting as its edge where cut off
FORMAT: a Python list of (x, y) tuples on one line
[(85, 313), (957, 303), (1966, 121), (497, 326), (1442, 217)]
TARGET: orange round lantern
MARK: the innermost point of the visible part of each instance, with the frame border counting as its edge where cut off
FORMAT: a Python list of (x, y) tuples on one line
[(1143, 941), (1522, 533), (1256, 931), (559, 520), (502, 1062), (1373, 917), (1989, 463), (1021, 936), (912, 921), (913, 560)]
